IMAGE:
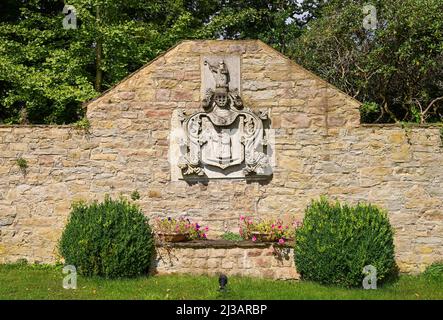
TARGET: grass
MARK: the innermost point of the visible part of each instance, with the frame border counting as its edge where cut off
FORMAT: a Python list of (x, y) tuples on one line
[(45, 282)]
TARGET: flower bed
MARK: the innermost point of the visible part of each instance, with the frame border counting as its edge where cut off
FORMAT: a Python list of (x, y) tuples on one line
[(267, 230), (177, 230)]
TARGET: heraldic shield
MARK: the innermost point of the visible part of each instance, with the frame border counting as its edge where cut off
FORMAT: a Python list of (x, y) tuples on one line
[(225, 139)]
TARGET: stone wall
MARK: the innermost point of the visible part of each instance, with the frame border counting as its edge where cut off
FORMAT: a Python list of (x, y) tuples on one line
[(34, 203), (320, 149)]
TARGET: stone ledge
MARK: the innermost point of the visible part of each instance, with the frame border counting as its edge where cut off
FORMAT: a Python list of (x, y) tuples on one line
[(399, 125), (221, 244), (38, 126)]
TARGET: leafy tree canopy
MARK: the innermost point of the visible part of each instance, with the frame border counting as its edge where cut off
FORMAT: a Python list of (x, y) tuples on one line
[(396, 69), (46, 71)]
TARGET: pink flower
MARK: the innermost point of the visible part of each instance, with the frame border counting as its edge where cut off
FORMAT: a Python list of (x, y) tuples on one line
[(254, 238), (272, 226), (204, 235), (242, 218), (206, 229), (281, 241), (279, 227)]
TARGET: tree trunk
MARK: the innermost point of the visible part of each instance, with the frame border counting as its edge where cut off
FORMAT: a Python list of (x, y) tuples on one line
[(98, 54)]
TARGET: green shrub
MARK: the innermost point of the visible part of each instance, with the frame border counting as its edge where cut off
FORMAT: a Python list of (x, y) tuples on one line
[(335, 243), (110, 239), (434, 271)]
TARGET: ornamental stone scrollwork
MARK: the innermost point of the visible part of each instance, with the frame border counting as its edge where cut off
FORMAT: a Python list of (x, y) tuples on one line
[(225, 139)]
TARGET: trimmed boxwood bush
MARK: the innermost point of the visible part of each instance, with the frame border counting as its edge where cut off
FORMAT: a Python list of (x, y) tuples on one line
[(434, 271), (336, 241), (110, 239)]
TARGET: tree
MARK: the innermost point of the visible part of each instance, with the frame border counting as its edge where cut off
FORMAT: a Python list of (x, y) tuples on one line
[(396, 69), (46, 71), (41, 70), (49, 71), (277, 22)]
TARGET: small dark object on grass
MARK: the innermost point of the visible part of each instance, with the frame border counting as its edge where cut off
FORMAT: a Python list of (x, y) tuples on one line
[(223, 281)]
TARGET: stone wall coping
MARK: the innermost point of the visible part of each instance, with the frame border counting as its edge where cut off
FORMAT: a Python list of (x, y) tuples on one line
[(364, 125), (221, 244), (399, 125), (50, 126)]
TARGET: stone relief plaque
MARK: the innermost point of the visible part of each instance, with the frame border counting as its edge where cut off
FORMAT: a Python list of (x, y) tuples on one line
[(232, 65), (225, 139)]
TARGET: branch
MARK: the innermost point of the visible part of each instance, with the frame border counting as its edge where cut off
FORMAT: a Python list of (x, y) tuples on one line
[(381, 115), (388, 111), (432, 103), (424, 112)]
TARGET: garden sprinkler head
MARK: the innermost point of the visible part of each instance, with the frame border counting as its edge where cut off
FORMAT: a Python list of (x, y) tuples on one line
[(222, 281)]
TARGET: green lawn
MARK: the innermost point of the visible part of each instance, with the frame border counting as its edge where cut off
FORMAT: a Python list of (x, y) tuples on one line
[(45, 282)]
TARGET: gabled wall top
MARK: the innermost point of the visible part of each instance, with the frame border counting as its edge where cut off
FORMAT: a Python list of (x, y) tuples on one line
[(267, 79)]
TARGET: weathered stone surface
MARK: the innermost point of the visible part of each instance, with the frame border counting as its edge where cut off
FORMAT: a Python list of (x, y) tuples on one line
[(320, 148), (224, 138), (266, 260)]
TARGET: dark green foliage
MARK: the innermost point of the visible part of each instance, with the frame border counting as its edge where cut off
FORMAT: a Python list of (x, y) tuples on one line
[(434, 271), (277, 22), (369, 112), (83, 124), (135, 195), (46, 72), (110, 239), (336, 241), (396, 69), (22, 163)]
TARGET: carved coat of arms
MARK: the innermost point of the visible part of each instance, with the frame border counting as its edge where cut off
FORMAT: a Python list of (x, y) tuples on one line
[(225, 138)]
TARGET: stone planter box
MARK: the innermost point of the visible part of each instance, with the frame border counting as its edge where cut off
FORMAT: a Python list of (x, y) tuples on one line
[(212, 257), (266, 237), (263, 237), (173, 237)]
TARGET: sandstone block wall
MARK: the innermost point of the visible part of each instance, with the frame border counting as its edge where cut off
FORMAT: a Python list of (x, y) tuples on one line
[(265, 261), (320, 149)]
